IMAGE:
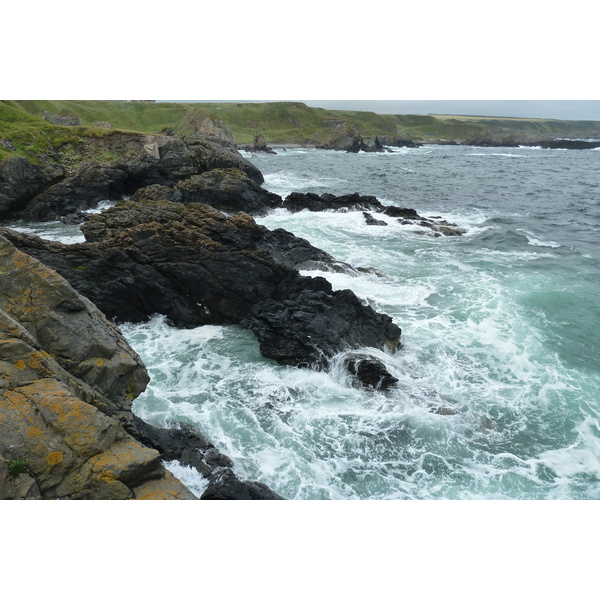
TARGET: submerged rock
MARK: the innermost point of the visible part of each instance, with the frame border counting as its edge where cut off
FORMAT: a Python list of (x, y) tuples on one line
[(370, 372), (296, 202)]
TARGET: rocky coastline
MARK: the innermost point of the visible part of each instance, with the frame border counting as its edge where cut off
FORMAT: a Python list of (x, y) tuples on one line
[(185, 245)]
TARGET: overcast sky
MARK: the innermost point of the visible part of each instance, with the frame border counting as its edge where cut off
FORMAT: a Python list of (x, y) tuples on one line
[(547, 109), (586, 110)]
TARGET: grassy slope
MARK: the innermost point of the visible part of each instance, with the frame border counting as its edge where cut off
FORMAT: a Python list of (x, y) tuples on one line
[(279, 122), (33, 137)]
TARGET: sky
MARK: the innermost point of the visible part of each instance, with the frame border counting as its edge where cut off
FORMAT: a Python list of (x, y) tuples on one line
[(546, 109), (585, 110)]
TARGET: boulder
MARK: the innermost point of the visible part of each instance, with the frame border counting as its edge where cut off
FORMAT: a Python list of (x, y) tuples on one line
[(369, 372)]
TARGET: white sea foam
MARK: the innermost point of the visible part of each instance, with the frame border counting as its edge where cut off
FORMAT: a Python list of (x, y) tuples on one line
[(189, 476), (55, 231), (535, 240)]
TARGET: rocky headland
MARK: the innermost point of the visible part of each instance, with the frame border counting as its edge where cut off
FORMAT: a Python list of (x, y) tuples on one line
[(184, 245)]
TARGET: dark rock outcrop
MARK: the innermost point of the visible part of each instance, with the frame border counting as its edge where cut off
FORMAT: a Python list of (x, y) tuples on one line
[(32, 193), (566, 144), (435, 226), (229, 190), (369, 372), (371, 220), (259, 145), (296, 201), (184, 444), (20, 181), (196, 266)]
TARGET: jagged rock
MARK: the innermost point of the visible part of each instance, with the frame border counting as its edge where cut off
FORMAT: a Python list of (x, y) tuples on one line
[(370, 372), (345, 136), (197, 266), (371, 220), (91, 184), (229, 190), (297, 201), (67, 380), (192, 449), (44, 195), (259, 145), (21, 180)]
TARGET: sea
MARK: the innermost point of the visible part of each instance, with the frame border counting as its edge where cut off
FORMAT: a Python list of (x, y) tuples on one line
[(498, 393)]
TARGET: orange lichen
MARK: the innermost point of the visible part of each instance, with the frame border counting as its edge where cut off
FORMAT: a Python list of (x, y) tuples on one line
[(34, 432), (20, 364), (54, 458)]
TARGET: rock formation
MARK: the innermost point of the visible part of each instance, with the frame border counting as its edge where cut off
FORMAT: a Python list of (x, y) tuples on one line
[(197, 266), (47, 193), (435, 226), (67, 382)]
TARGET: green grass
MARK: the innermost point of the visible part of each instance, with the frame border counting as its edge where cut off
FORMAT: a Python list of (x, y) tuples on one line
[(22, 125), (35, 138)]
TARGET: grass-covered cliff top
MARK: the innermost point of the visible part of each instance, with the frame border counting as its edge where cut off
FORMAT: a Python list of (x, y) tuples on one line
[(25, 132)]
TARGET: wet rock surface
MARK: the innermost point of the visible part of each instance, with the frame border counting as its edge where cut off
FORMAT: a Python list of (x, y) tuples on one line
[(184, 444), (436, 226)]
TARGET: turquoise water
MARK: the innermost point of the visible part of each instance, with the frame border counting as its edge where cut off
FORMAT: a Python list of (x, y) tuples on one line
[(499, 376)]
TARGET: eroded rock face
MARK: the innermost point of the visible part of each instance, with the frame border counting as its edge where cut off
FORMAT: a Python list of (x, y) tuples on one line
[(35, 194), (21, 180), (197, 266), (67, 380)]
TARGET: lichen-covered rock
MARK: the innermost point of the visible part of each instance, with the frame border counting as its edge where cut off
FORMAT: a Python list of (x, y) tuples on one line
[(70, 329), (67, 380)]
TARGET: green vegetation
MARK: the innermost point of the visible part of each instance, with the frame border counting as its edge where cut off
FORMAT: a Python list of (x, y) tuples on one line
[(24, 132), (29, 135), (18, 465)]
